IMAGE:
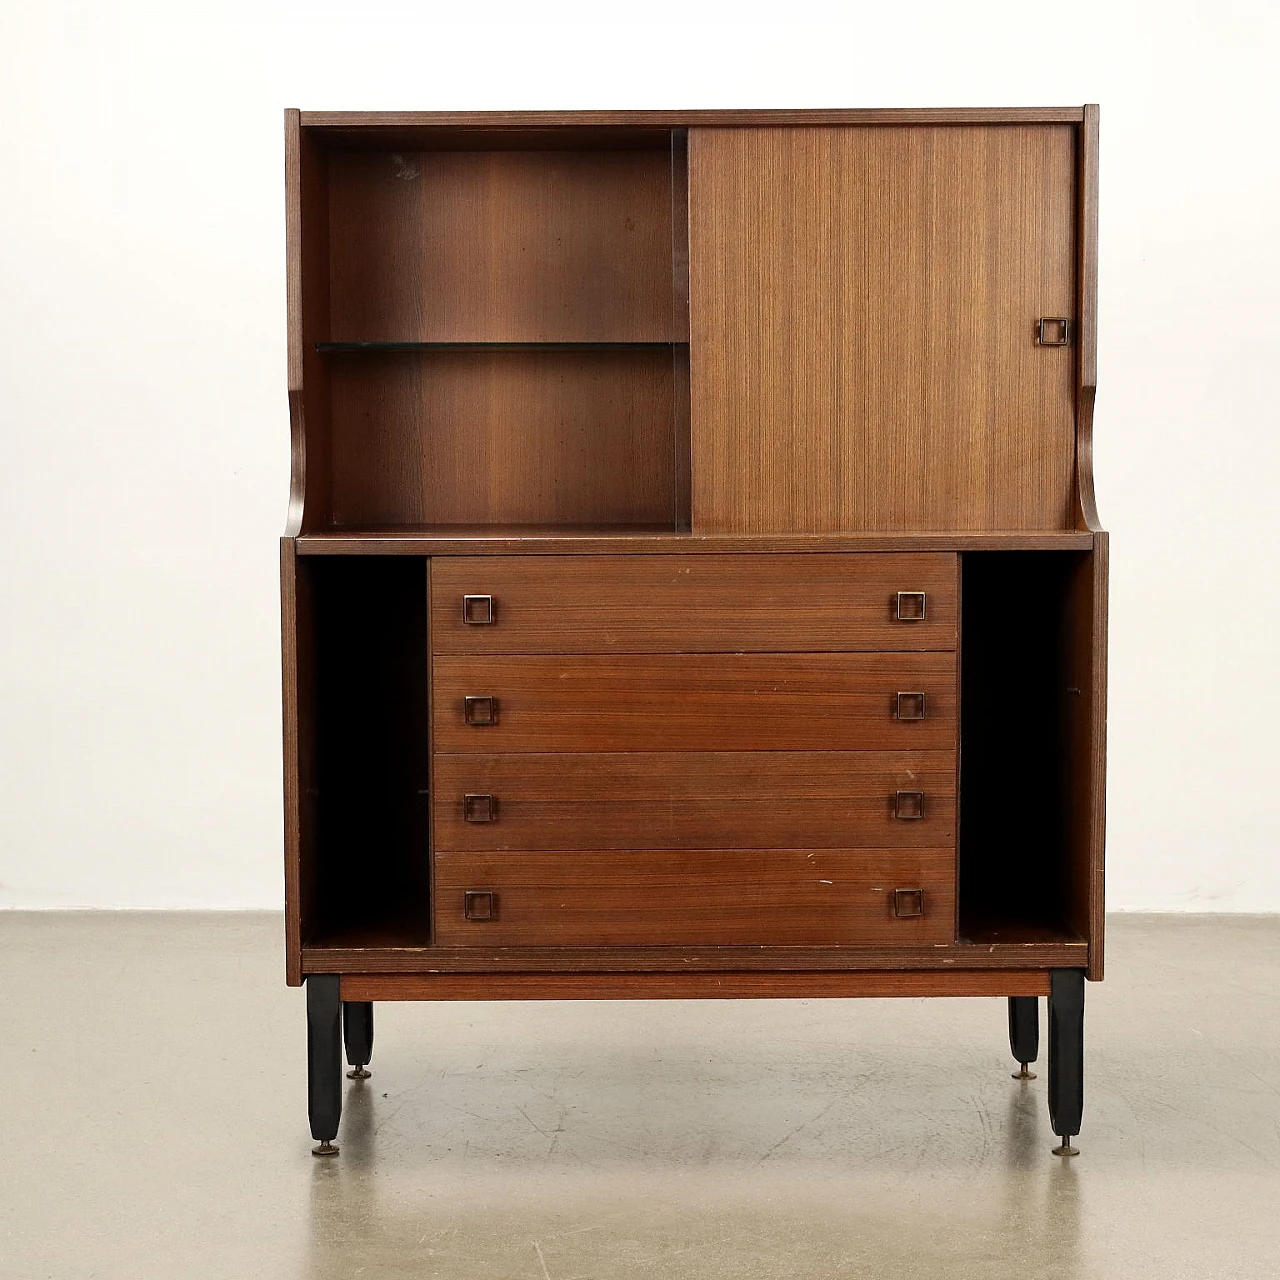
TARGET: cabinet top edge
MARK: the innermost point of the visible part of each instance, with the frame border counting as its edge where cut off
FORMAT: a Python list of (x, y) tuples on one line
[(341, 120)]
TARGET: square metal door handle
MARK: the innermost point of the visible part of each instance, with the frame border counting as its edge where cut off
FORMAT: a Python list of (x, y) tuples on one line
[(479, 904), (908, 904), (908, 706), (477, 611), (1053, 331), (910, 606), (480, 709), (908, 805), (477, 808)]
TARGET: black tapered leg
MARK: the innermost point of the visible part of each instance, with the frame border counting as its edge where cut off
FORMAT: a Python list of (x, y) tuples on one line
[(324, 1060), (1066, 1056), (357, 1032), (1024, 1034)]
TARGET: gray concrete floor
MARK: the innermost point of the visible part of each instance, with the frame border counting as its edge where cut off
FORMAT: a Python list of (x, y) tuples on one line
[(153, 1124)]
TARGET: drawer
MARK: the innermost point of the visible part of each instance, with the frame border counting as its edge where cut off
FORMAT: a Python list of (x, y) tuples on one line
[(693, 603), (695, 800), (696, 702), (768, 897)]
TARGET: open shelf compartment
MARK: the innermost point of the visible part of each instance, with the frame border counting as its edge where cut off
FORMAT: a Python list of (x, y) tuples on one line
[(498, 335), (365, 746), (1022, 852)]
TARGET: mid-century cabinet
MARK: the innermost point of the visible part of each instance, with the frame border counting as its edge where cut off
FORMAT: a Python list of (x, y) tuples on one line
[(692, 585)]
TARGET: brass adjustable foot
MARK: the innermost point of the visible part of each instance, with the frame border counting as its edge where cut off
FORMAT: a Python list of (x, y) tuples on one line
[(326, 1148), (1024, 1074), (1066, 1149), (358, 1073)]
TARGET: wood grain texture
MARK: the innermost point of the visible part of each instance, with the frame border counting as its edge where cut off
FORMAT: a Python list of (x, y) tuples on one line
[(307, 275), (502, 246), (697, 702), (372, 951), (696, 799), (864, 304), (362, 120), (696, 897), (529, 540), (1086, 753), (1087, 272), (297, 700), (544, 437), (691, 986), (680, 604)]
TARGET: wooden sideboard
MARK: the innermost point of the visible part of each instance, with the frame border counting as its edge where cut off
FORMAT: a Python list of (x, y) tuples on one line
[(692, 585)]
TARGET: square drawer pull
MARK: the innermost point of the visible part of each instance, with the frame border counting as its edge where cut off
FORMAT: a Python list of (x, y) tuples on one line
[(908, 904), (482, 709), (908, 804), (1053, 331), (483, 808), (479, 904), (910, 606), (909, 706), (477, 611)]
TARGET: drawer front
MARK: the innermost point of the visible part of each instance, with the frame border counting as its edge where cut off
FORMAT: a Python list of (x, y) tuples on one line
[(696, 702), (772, 897), (693, 603), (695, 800)]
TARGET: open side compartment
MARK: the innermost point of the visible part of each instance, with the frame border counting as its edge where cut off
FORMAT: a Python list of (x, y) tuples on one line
[(501, 331), (1025, 848), (367, 864)]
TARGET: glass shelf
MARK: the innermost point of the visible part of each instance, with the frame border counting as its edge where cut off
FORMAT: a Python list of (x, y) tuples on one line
[(343, 348)]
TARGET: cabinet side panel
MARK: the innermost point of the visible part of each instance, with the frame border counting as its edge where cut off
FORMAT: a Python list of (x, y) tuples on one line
[(864, 304), (1086, 646), (297, 647), (307, 252)]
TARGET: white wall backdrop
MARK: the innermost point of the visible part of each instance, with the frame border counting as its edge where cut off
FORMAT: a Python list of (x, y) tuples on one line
[(145, 437)]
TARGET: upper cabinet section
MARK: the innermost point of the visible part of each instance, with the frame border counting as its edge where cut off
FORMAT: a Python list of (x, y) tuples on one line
[(759, 323), (865, 341)]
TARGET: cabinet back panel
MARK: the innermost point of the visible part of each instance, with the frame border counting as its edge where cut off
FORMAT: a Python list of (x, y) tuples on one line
[(505, 437), (501, 246), (863, 327)]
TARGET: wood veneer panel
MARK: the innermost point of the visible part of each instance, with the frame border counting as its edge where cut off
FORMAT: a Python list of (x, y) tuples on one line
[(1086, 749), (297, 660), (697, 702), (372, 950), (696, 799), (696, 897), (307, 262), (329, 122), (544, 437), (864, 304), (690, 986), (673, 604), (1087, 273), (506, 539), (501, 246)]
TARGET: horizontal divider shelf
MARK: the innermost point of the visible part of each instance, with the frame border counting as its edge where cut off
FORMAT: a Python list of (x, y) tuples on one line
[(352, 348), (653, 539)]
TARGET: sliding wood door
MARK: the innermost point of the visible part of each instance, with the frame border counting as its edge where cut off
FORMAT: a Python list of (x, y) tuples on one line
[(864, 328)]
